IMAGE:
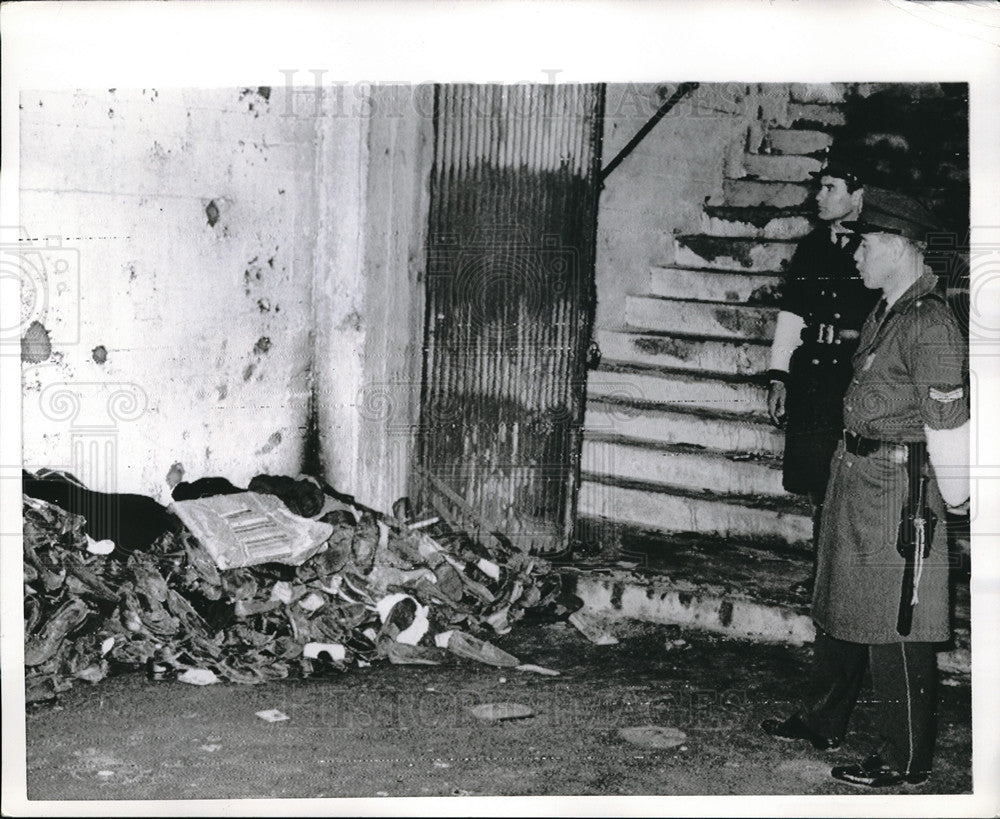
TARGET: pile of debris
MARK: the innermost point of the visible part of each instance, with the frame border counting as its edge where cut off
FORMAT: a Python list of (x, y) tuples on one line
[(64, 593), (365, 587)]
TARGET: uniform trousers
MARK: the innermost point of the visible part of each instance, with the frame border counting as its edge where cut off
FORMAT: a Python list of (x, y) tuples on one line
[(904, 678)]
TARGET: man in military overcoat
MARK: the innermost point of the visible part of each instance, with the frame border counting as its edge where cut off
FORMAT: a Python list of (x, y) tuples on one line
[(881, 591)]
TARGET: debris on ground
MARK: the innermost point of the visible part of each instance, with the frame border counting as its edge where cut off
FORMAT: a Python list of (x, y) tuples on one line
[(272, 715), (64, 592), (95, 764), (498, 711), (197, 601), (594, 627), (653, 736), (198, 676), (465, 645), (537, 669)]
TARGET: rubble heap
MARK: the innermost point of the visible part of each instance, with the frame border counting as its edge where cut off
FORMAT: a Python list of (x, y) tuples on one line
[(378, 589)]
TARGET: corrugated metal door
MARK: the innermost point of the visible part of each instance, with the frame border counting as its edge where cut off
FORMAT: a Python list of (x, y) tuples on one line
[(510, 303)]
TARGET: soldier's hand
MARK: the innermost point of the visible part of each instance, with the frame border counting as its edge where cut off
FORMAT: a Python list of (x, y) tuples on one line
[(776, 403)]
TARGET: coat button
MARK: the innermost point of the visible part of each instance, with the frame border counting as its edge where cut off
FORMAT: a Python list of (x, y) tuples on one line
[(836, 315), (834, 361), (836, 341), (815, 361)]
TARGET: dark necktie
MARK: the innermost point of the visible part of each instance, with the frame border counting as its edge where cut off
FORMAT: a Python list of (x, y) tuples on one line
[(880, 308)]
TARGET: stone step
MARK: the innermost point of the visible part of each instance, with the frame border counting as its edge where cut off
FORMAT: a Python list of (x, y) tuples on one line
[(714, 285), (665, 424), (742, 589), (796, 141), (733, 356), (748, 255), (700, 318), (664, 508), (754, 192), (686, 465), (676, 599), (817, 92), (781, 167), (759, 223), (816, 115), (623, 381)]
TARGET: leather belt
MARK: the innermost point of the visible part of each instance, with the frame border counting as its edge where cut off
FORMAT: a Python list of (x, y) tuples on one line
[(819, 333), (859, 445), (826, 334), (862, 446)]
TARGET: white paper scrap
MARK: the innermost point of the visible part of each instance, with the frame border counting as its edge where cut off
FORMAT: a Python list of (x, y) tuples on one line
[(313, 650), (489, 568), (100, 547), (198, 676)]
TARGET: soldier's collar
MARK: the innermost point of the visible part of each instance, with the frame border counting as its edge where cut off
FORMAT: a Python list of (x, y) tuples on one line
[(927, 283)]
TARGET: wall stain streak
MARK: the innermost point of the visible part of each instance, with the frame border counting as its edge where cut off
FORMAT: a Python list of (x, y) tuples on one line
[(273, 441)]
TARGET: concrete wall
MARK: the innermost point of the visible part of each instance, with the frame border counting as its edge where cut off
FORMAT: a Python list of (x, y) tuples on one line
[(659, 189), (219, 244), (370, 338)]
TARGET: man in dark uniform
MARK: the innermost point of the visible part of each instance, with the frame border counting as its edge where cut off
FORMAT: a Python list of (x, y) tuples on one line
[(881, 594), (824, 303)]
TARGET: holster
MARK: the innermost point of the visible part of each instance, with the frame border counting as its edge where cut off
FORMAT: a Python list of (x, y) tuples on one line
[(916, 531)]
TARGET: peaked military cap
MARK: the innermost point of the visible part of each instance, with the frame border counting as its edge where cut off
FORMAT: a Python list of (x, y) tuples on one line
[(885, 211)]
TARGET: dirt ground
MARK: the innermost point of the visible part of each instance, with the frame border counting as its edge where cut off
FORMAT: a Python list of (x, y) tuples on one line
[(407, 730)]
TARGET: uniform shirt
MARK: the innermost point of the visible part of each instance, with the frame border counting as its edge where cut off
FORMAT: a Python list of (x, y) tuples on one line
[(909, 369), (822, 286)]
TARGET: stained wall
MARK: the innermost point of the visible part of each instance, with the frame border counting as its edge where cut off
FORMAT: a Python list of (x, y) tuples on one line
[(193, 296)]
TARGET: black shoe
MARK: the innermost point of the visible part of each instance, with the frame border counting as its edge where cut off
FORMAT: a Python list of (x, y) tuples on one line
[(874, 772), (795, 728)]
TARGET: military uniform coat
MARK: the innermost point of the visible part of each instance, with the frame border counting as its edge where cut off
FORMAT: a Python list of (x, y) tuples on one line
[(909, 371), (822, 286)]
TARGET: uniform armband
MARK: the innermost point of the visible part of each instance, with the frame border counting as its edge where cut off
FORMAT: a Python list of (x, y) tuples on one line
[(948, 450)]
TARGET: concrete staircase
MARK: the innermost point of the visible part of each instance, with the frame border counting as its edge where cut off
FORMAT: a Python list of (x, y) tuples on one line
[(676, 437)]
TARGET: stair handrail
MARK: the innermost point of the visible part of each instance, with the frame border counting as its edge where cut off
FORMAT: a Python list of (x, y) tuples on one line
[(682, 91)]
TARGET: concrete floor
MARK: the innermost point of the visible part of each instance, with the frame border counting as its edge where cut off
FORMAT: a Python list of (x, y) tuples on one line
[(407, 731)]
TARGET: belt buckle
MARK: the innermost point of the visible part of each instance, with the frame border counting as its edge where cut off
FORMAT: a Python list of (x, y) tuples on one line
[(825, 333)]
